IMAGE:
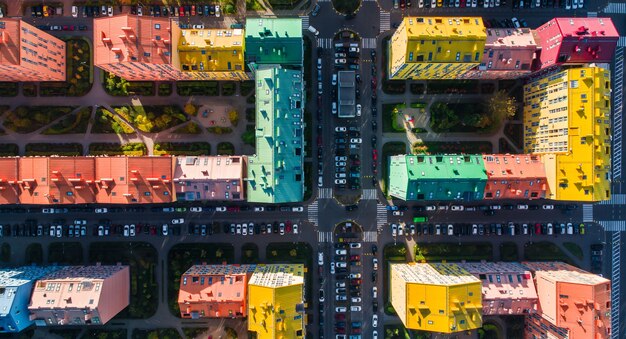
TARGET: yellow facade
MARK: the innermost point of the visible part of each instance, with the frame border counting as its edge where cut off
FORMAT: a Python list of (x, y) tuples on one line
[(276, 301), (426, 48), (567, 122), (210, 54), (436, 297)]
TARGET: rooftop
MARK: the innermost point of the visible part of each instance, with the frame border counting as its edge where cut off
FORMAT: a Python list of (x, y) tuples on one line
[(445, 167), (209, 50), (274, 40), (448, 28), (10, 41), (278, 275), (441, 274), (513, 166), (347, 101), (562, 272)]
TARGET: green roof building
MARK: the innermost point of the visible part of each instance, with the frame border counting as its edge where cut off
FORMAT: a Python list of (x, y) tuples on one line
[(437, 177), (274, 41), (275, 172)]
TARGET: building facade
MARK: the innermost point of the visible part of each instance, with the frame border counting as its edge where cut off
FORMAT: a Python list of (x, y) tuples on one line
[(437, 177), (80, 295), (276, 301), (430, 48), (515, 176), (274, 41), (210, 178), (435, 297), (214, 291), (30, 54), (567, 123)]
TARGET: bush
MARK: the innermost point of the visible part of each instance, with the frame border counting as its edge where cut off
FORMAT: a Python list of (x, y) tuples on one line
[(419, 130), (165, 89), (117, 86), (188, 88), (9, 150), (246, 87), (249, 137), (182, 148), (48, 149), (107, 122), (219, 130), (8, 89), (152, 119), (190, 128), (27, 119), (228, 88), (417, 89), (225, 148), (233, 116), (250, 115), (130, 149), (73, 123), (29, 89)]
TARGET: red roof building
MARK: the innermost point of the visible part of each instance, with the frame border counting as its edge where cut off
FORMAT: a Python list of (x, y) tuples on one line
[(71, 180), (576, 41), (30, 54), (515, 176), (9, 177), (33, 175)]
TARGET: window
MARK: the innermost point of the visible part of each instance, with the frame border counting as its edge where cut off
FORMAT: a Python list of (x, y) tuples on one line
[(157, 26), (458, 56), (410, 56)]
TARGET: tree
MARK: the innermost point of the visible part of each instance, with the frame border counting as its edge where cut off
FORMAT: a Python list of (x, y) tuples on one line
[(233, 116), (293, 252), (191, 109), (500, 106), (248, 137), (442, 118)]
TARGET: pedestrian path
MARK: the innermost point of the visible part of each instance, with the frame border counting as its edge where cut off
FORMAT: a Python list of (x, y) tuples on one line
[(368, 43), (325, 42), (312, 211), (613, 225), (613, 7), (616, 199), (587, 213), (370, 194), (305, 22), (324, 236), (618, 83), (325, 193), (381, 216), (370, 236), (385, 20)]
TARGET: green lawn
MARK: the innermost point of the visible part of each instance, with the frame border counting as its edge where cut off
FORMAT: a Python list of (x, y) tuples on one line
[(465, 147), (390, 124), (152, 119), (225, 148), (27, 119), (574, 249), (389, 149), (182, 148), (452, 251), (250, 253), (545, 251), (65, 253), (107, 122), (48, 149), (131, 149), (9, 150), (75, 123), (188, 88), (508, 252)]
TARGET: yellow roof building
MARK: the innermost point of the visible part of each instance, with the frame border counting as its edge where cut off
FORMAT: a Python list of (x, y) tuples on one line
[(427, 48), (567, 122), (276, 301), (436, 297), (209, 54)]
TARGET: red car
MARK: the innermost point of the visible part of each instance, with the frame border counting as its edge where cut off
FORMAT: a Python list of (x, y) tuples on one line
[(340, 316), (355, 258), (181, 11), (193, 10), (374, 154), (537, 228), (233, 209)]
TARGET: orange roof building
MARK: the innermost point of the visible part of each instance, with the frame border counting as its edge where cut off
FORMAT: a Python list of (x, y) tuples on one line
[(34, 181), (9, 177), (214, 291), (30, 54), (210, 178), (515, 176), (80, 295), (576, 303), (71, 180)]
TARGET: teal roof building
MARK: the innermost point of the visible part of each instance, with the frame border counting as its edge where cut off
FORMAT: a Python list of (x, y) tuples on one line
[(437, 177), (275, 172), (274, 41)]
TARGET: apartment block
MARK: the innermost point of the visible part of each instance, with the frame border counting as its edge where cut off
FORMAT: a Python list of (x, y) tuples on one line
[(80, 295), (577, 304), (210, 178), (507, 288), (16, 287), (276, 301), (509, 54), (567, 123), (30, 54), (429, 48), (276, 172), (435, 297), (437, 177), (214, 291), (9, 181), (272, 41), (515, 176), (568, 41)]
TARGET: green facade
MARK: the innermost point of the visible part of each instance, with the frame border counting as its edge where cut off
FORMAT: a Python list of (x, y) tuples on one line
[(275, 172), (274, 41), (437, 177)]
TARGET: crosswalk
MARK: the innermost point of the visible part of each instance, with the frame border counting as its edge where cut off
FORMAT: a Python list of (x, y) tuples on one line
[(305, 22), (587, 212), (312, 211), (385, 21), (381, 216), (616, 199), (325, 193), (618, 88), (368, 43), (616, 277), (613, 7), (613, 225), (324, 236), (370, 236), (325, 42), (370, 194), (621, 42), (592, 14)]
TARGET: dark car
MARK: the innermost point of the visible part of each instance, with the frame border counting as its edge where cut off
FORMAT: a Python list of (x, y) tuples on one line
[(489, 212), (351, 207)]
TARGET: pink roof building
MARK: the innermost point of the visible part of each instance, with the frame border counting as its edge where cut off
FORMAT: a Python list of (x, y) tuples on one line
[(33, 180), (30, 54), (575, 302), (576, 41), (210, 178), (508, 288), (80, 295), (508, 54), (9, 177), (515, 176), (134, 47), (214, 291)]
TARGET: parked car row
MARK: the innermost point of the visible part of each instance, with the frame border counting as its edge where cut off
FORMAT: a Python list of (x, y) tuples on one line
[(251, 228), (62, 27), (488, 229), (346, 264), (174, 11), (41, 11), (505, 23), (347, 55)]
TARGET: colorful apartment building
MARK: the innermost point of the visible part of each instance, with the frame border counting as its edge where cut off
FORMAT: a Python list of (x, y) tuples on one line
[(435, 297), (214, 291), (574, 304), (509, 54), (429, 48), (507, 288), (210, 178), (30, 54), (9, 181), (276, 306), (567, 123), (437, 177), (515, 176), (80, 295), (16, 287), (272, 41), (276, 171), (567, 41)]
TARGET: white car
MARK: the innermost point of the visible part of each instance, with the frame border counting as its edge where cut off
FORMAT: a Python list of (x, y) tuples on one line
[(516, 23), (164, 229), (356, 300), (80, 222), (341, 309), (295, 228), (320, 258), (394, 230), (375, 333), (75, 11), (450, 230), (102, 210), (297, 209), (238, 230), (355, 245), (431, 208), (220, 209), (340, 129), (132, 230), (320, 181), (196, 209), (281, 228), (259, 209), (375, 264), (178, 221), (356, 140), (343, 158), (341, 252), (244, 229), (374, 292), (321, 295), (375, 316), (334, 80), (332, 267), (457, 207), (334, 107), (548, 207), (110, 10), (100, 231), (358, 110), (340, 181), (342, 264), (338, 55), (355, 308), (126, 230), (398, 213), (525, 229), (522, 207), (340, 61), (59, 231), (139, 11), (340, 163), (340, 284), (400, 230), (319, 63), (217, 11)]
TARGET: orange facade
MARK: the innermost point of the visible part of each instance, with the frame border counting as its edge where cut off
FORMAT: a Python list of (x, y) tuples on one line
[(515, 176), (30, 54)]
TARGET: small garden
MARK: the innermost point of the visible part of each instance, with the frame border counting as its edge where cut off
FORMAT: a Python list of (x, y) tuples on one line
[(158, 333), (389, 149), (75, 123), (79, 70), (390, 118), (508, 251), (65, 253), (246, 87), (474, 251), (129, 149), (182, 148), (295, 253), (9, 150), (106, 122), (225, 148), (8, 89), (48, 149), (189, 128), (152, 119), (250, 253), (228, 88), (219, 130), (164, 89), (116, 86), (189, 88), (453, 86), (457, 147), (545, 251), (249, 136), (283, 4), (27, 119), (34, 254)]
